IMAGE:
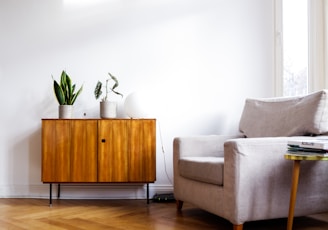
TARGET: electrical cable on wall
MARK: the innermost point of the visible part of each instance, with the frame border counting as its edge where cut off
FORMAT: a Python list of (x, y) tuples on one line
[(163, 151)]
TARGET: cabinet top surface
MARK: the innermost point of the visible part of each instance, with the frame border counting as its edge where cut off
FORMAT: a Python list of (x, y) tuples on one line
[(99, 119)]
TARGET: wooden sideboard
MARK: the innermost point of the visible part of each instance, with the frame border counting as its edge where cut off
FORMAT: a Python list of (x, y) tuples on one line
[(98, 151)]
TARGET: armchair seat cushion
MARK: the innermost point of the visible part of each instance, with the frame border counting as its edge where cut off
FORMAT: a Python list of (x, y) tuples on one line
[(203, 169)]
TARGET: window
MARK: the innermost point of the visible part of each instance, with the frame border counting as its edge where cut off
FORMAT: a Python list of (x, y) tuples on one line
[(295, 47)]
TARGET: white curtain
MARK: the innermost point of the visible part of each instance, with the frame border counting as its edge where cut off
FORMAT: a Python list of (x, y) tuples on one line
[(318, 45)]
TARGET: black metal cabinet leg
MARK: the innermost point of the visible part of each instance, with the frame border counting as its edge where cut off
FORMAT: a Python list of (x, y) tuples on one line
[(58, 191), (50, 194), (147, 193)]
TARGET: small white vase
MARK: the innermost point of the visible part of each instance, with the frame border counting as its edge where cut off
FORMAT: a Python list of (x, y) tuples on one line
[(108, 109), (65, 111)]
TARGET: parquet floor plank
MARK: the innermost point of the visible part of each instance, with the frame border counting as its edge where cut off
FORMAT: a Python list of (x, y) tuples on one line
[(25, 214)]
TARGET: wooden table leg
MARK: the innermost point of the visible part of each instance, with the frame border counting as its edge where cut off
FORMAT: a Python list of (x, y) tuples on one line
[(293, 192)]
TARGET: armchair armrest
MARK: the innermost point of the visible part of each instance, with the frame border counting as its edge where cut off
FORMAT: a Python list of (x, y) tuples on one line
[(257, 178), (196, 146)]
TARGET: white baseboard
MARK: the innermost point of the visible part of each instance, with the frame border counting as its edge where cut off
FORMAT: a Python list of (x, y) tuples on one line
[(84, 191)]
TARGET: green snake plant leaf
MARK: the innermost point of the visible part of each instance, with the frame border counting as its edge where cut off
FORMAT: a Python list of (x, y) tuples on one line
[(63, 80), (70, 90), (75, 95), (63, 85), (59, 93), (65, 90)]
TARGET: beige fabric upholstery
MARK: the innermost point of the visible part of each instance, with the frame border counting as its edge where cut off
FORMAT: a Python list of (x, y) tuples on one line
[(256, 177), (205, 169), (292, 116), (257, 181)]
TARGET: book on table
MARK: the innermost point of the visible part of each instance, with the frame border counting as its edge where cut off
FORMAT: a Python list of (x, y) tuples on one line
[(308, 146)]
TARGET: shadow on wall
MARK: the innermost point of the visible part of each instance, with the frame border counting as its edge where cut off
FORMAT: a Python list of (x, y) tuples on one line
[(25, 161), (34, 141)]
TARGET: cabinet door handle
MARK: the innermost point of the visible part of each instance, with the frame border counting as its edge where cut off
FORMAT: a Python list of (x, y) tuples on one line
[(103, 140)]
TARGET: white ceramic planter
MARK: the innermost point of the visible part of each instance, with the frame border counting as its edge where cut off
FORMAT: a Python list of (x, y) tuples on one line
[(65, 111), (108, 109)]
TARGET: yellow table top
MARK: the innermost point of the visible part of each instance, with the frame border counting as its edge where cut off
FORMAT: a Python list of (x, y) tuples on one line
[(307, 156)]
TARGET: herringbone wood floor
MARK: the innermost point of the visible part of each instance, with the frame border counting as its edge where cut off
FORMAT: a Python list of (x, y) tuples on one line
[(18, 214)]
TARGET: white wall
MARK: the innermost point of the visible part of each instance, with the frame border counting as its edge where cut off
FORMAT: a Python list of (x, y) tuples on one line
[(197, 59)]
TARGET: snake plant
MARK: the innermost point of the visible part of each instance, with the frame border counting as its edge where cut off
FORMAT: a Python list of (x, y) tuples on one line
[(65, 91), (99, 86)]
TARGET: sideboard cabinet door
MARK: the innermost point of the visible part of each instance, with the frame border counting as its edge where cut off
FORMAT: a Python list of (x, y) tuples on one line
[(84, 137), (69, 150), (127, 150), (113, 150), (142, 150), (56, 146)]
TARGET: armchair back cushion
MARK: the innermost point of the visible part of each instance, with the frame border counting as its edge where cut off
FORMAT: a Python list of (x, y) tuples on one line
[(289, 116)]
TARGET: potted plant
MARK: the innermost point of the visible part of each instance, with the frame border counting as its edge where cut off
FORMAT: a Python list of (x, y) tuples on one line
[(108, 109), (66, 95)]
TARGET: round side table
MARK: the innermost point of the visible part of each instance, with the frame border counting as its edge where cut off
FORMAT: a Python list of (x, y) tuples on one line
[(297, 157)]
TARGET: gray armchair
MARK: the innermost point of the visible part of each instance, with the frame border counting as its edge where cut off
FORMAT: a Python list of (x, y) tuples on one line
[(245, 177)]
